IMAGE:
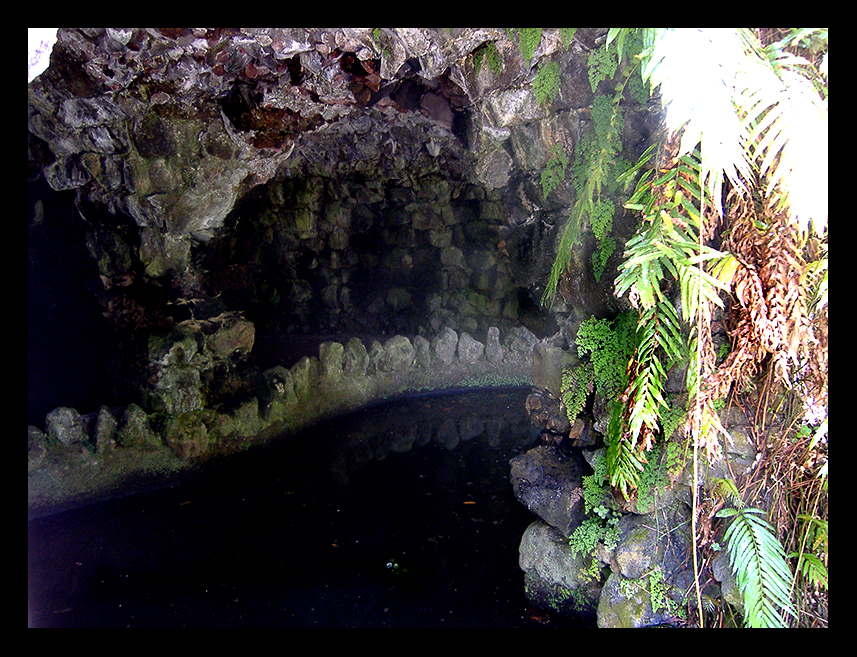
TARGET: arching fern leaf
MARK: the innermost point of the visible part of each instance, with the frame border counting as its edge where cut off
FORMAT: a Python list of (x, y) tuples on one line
[(759, 563)]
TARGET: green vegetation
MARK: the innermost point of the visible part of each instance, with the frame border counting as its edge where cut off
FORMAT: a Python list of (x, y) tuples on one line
[(554, 172), (602, 66), (589, 534), (487, 52), (654, 584), (546, 84), (608, 345), (528, 39), (733, 205), (597, 176), (759, 563)]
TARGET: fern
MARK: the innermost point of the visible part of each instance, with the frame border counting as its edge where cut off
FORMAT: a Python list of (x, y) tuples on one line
[(624, 462), (810, 565), (546, 84), (602, 65), (786, 119), (601, 255), (577, 383), (595, 170), (566, 34), (759, 563), (610, 345), (528, 40), (659, 347), (553, 174), (487, 52), (667, 245)]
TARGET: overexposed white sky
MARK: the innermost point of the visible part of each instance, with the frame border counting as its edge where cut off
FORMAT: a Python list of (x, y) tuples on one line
[(40, 41)]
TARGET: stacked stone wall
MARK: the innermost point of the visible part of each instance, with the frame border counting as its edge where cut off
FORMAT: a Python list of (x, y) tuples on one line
[(80, 456)]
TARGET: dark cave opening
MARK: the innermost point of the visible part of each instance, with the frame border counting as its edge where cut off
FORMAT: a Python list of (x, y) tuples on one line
[(75, 355)]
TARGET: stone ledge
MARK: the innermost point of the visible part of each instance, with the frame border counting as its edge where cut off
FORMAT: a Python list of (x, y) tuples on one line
[(84, 460)]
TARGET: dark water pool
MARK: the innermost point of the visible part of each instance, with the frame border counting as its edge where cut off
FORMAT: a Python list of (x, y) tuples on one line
[(400, 516)]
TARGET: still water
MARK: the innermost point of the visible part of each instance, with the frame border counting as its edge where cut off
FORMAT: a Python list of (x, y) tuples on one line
[(399, 516)]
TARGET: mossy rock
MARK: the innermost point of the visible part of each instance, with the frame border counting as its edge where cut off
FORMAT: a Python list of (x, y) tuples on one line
[(136, 431), (186, 435)]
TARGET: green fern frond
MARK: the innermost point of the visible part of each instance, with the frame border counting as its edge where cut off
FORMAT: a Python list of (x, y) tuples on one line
[(694, 69), (553, 175), (812, 569), (546, 83), (761, 570), (602, 65), (727, 490), (528, 40), (659, 347), (577, 383), (625, 463)]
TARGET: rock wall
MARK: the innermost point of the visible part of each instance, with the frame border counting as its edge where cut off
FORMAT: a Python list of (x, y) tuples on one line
[(626, 562), (360, 255), (79, 457), (319, 177)]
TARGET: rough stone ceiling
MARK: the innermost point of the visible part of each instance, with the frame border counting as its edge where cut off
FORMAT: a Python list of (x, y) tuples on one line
[(171, 125)]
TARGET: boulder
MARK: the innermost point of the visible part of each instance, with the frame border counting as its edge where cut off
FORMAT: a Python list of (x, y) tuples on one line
[(233, 338), (331, 357), (547, 413), (104, 433), (650, 575), (469, 349), (422, 350), (136, 432), (493, 349), (37, 447), (444, 345), (549, 484), (355, 359), (186, 435), (555, 577), (65, 426), (241, 422), (548, 365), (520, 342), (305, 375), (398, 355), (177, 389)]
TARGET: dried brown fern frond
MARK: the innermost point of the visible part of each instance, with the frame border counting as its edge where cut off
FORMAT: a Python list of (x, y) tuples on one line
[(769, 322), (769, 311)]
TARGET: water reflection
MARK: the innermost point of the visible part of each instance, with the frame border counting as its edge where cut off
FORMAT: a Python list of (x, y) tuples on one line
[(399, 516), (493, 418)]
